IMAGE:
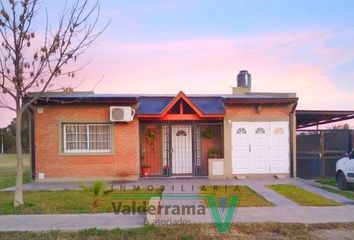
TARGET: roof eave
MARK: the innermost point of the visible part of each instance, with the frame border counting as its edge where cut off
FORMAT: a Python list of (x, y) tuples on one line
[(259, 100), (160, 116), (78, 100)]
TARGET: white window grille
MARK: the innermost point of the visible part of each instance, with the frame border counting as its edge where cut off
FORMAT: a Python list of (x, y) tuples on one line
[(87, 138)]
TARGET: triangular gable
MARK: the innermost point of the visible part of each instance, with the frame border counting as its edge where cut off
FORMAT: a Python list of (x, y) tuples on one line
[(179, 108), (176, 100)]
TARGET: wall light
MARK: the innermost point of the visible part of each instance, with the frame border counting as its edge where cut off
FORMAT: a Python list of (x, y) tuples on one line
[(258, 108)]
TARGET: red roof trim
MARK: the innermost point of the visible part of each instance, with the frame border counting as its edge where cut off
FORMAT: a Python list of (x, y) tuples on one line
[(181, 117), (179, 96)]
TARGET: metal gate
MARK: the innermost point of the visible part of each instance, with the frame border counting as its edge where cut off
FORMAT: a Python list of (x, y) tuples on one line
[(319, 150), (180, 148)]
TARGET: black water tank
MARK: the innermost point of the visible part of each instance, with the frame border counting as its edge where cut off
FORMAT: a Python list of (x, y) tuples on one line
[(244, 79)]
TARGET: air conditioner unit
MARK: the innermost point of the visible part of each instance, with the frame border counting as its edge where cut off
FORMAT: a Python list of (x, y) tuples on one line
[(121, 114)]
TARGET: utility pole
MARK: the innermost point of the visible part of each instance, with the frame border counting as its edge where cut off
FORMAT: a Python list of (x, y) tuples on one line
[(2, 141)]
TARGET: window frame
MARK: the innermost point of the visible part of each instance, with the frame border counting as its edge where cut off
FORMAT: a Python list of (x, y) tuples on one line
[(241, 131), (260, 131), (87, 150), (181, 133), (279, 131)]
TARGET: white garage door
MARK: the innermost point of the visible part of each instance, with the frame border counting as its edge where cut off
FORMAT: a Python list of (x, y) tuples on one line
[(260, 147)]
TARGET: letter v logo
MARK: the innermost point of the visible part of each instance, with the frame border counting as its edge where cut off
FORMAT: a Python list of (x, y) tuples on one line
[(222, 223)]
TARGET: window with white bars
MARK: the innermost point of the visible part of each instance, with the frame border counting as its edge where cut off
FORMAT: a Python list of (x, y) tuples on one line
[(87, 138)]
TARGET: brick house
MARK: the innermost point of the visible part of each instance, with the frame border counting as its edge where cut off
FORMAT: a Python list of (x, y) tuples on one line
[(87, 136)]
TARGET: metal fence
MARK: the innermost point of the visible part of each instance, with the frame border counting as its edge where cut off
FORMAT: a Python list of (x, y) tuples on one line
[(319, 150)]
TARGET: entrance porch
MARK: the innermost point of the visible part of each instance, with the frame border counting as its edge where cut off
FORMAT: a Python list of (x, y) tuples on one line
[(179, 148), (179, 134)]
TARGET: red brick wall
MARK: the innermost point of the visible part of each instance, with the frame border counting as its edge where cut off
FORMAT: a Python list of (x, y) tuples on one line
[(50, 160), (243, 112), (267, 112)]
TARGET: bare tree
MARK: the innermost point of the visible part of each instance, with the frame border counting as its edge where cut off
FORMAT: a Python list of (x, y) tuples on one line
[(30, 65)]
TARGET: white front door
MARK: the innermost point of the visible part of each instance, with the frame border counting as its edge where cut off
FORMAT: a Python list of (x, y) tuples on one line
[(260, 147), (181, 149)]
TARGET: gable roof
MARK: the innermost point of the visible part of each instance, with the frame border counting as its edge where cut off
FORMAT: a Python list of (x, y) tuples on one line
[(158, 105), (181, 96)]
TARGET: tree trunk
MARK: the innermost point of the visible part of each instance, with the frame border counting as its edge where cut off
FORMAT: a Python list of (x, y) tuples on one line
[(18, 201)]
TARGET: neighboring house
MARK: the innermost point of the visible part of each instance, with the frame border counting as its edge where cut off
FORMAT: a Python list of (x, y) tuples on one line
[(243, 133)]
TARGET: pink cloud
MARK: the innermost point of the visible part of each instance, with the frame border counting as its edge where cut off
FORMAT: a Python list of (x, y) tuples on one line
[(210, 65)]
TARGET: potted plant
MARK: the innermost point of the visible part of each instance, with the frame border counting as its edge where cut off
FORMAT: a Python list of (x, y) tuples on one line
[(214, 152), (150, 135), (145, 170), (208, 133), (165, 170)]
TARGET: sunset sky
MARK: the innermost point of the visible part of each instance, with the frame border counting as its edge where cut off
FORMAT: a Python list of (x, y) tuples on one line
[(305, 47)]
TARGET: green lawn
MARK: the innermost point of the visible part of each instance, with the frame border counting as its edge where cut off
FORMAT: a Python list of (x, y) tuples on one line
[(347, 194), (60, 202), (329, 184), (302, 196), (240, 231), (327, 181), (247, 197), (8, 170)]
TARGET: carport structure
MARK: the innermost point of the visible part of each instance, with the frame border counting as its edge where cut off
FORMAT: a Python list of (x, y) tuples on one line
[(319, 150), (310, 118)]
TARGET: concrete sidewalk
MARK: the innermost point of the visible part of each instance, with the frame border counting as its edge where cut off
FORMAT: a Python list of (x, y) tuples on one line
[(285, 210), (169, 183), (48, 222), (272, 196), (68, 222), (295, 214)]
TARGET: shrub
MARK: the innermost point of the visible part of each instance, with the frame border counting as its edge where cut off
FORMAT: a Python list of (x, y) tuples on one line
[(96, 191)]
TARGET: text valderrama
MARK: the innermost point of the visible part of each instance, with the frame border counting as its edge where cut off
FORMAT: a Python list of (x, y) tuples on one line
[(222, 210)]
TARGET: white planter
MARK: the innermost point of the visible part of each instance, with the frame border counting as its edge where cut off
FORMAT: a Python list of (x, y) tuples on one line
[(216, 168)]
